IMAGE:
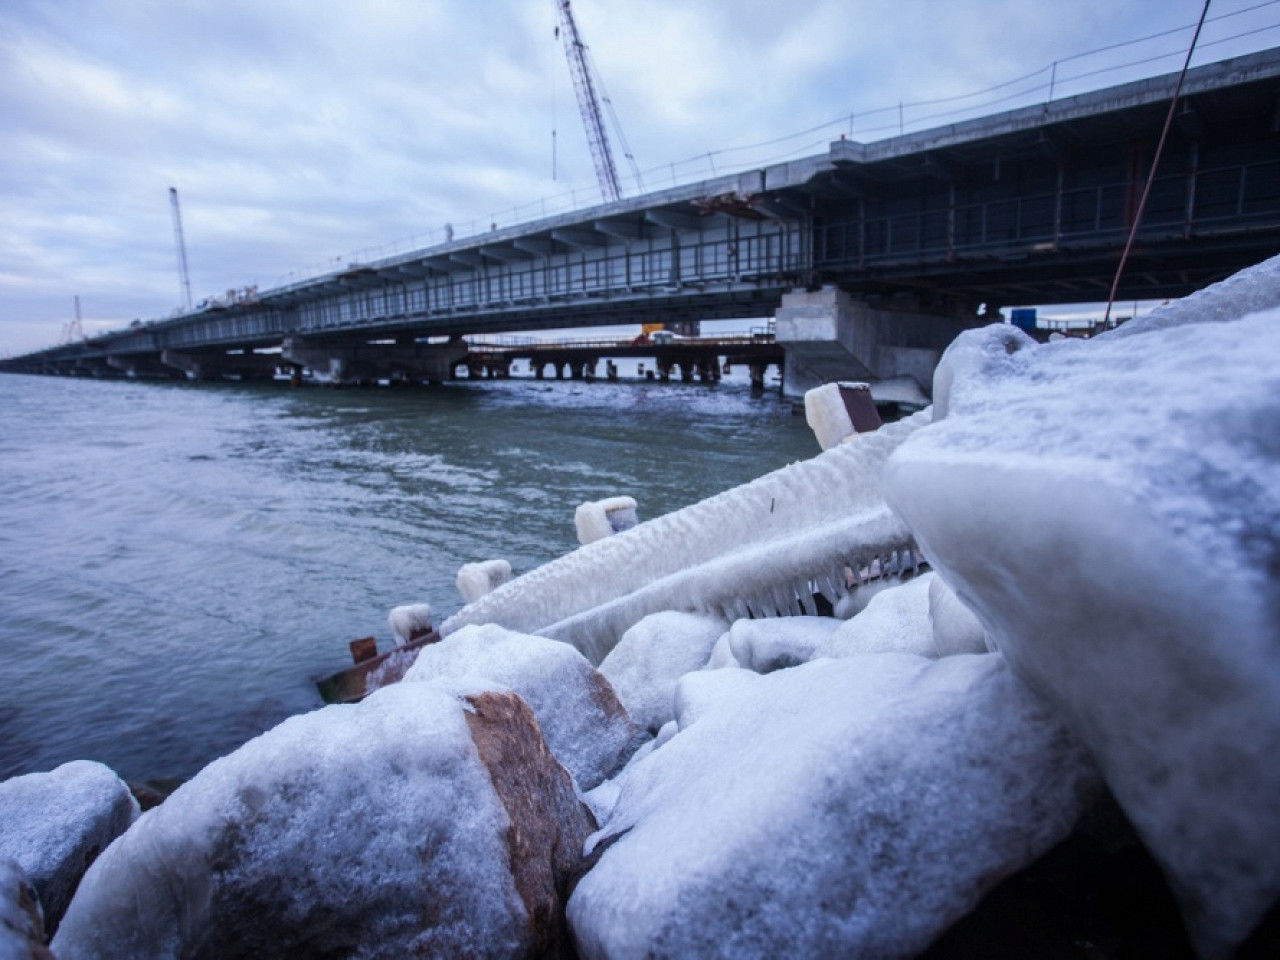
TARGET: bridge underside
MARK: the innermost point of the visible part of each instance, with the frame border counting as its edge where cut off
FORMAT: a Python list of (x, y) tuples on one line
[(914, 232)]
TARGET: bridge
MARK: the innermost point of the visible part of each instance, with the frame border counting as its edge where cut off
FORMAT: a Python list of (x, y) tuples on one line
[(870, 257)]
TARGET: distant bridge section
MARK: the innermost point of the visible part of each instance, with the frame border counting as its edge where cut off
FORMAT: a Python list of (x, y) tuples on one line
[(871, 256)]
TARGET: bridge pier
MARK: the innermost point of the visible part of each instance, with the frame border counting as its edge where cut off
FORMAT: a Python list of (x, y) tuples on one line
[(357, 362), (214, 366), (829, 335), (141, 366)]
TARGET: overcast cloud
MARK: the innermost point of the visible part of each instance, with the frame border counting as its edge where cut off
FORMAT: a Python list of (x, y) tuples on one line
[(298, 132)]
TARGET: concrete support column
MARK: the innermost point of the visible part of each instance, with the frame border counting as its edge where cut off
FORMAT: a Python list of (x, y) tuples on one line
[(827, 336)]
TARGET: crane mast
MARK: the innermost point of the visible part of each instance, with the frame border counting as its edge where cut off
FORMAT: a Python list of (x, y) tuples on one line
[(183, 275), (588, 103)]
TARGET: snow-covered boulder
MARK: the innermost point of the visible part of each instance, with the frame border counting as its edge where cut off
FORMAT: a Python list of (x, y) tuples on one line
[(55, 824), (651, 656), (21, 920), (895, 621), (420, 822), (581, 718), (778, 642), (1110, 511), (410, 621), (842, 808)]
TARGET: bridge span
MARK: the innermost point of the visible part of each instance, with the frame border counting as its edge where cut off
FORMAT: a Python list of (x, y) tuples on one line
[(869, 256)]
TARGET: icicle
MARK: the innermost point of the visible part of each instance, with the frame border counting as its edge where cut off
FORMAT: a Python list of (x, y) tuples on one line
[(807, 606)]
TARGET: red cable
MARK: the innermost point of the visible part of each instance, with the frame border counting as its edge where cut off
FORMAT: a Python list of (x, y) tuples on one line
[(1155, 162)]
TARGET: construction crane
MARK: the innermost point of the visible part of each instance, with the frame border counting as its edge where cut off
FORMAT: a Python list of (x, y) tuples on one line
[(73, 330), (183, 275), (585, 84)]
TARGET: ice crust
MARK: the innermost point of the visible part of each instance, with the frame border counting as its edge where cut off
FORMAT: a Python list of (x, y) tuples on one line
[(651, 656), (895, 621), (54, 824), (839, 808), (1110, 511), (474, 580), (758, 548), (826, 414), (921, 616), (776, 643), (583, 723), (955, 628), (407, 620), (593, 521), (368, 830)]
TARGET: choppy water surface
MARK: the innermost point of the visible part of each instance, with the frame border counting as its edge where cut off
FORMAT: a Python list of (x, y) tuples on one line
[(178, 562)]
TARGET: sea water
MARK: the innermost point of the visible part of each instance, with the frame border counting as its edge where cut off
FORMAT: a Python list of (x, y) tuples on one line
[(180, 561)]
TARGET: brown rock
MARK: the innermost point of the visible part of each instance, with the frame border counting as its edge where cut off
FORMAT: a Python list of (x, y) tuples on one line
[(425, 821), (549, 825), (21, 920)]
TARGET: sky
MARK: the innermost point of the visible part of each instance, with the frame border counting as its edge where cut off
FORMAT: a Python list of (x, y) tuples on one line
[(301, 134)]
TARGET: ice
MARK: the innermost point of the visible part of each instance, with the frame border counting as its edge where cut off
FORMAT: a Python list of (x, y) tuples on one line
[(842, 808), (474, 580), (1110, 511), (897, 620), (409, 621), (768, 645), (955, 628), (370, 829), (652, 655), (721, 655), (54, 824), (760, 547), (581, 718), (827, 415), (598, 519), (701, 692)]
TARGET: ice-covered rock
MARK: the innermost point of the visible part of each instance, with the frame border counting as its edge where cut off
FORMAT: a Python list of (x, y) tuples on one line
[(778, 642), (21, 920), (474, 580), (895, 621), (721, 655), (55, 824), (584, 724), (955, 628), (1110, 510), (651, 656), (843, 808), (420, 822), (410, 621)]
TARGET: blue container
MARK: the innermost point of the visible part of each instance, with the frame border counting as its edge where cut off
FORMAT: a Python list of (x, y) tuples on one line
[(1023, 317)]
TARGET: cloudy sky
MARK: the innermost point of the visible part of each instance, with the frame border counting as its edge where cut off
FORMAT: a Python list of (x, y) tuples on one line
[(301, 131)]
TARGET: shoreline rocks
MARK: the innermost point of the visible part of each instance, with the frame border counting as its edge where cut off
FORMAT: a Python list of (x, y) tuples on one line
[(55, 824)]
